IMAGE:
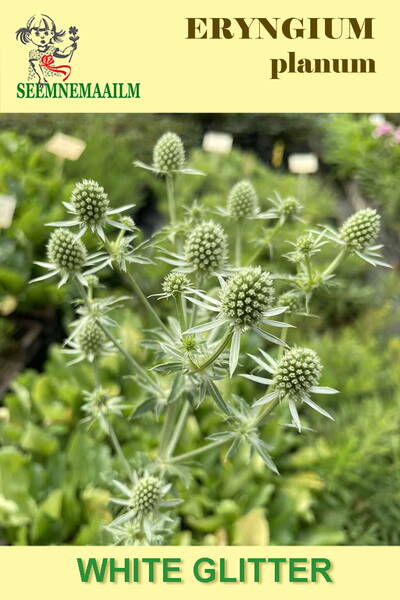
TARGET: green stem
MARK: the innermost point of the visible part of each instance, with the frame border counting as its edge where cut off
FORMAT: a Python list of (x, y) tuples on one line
[(178, 429), (199, 283), (335, 263), (138, 290), (134, 364), (168, 427), (265, 410), (181, 310), (118, 449), (171, 199), (238, 244), (192, 453), (268, 238), (211, 359)]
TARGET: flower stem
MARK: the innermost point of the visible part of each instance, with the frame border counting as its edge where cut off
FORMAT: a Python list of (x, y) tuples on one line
[(138, 290), (335, 263), (180, 424), (118, 449), (168, 427), (192, 453), (238, 244), (268, 238), (181, 310), (134, 364), (265, 410), (171, 199), (220, 348)]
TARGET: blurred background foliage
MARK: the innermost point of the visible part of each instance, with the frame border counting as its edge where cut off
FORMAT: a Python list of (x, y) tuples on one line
[(339, 484)]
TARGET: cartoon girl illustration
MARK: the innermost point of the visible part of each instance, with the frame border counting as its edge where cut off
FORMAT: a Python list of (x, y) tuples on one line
[(41, 31)]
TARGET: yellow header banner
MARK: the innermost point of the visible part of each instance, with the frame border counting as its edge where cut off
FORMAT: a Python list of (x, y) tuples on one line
[(181, 572), (179, 57)]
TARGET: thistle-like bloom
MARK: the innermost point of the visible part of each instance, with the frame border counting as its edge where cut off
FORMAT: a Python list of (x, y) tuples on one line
[(89, 344), (295, 377), (168, 153), (168, 157), (99, 405), (248, 295), (143, 500), (291, 300), (89, 206), (66, 257), (305, 246), (174, 285), (132, 533), (205, 251), (285, 209), (246, 301), (356, 235), (242, 201), (361, 229)]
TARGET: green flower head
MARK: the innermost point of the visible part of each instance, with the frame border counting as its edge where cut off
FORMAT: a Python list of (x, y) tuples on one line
[(90, 202), (247, 296), (242, 201), (297, 372), (169, 153), (361, 229), (66, 252), (206, 247)]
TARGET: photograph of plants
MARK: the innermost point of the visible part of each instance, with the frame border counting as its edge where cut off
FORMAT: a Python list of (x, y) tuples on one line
[(200, 329)]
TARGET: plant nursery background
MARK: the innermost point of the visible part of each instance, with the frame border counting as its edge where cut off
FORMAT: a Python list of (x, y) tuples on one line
[(339, 480)]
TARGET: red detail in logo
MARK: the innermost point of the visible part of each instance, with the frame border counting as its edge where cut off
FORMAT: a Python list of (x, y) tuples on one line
[(48, 62)]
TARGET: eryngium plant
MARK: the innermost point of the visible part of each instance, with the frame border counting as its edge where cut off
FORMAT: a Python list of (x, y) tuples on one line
[(202, 314)]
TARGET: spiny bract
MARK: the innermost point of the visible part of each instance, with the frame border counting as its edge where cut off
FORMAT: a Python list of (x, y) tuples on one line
[(91, 339), (297, 371), (65, 251), (359, 230), (242, 200), (247, 296), (168, 153), (175, 283), (206, 247), (89, 201), (146, 495)]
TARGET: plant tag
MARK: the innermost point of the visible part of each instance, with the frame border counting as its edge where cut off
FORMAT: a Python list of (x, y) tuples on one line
[(7, 208), (303, 163), (65, 146), (220, 143)]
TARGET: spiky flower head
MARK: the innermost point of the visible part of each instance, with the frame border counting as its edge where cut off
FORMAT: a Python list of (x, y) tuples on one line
[(242, 200), (65, 251), (175, 283), (146, 495), (247, 296), (291, 300), (90, 202), (168, 153), (290, 207), (298, 370), (361, 229), (206, 247), (91, 339), (305, 244)]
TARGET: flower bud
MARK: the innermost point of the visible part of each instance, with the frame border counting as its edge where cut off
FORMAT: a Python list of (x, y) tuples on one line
[(242, 200), (89, 201), (247, 296), (175, 283), (91, 339), (290, 207), (168, 153), (291, 300), (146, 495), (359, 230), (66, 252), (297, 371), (206, 247)]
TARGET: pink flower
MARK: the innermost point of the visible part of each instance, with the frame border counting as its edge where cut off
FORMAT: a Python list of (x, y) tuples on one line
[(384, 128), (396, 136)]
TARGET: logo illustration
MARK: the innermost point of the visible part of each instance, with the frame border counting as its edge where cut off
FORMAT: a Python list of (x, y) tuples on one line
[(47, 45)]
